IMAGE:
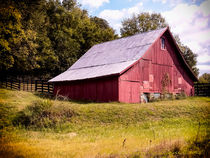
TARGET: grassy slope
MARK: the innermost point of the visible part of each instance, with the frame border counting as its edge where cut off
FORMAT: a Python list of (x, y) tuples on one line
[(99, 129)]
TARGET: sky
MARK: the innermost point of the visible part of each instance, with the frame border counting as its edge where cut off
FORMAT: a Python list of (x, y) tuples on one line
[(190, 19)]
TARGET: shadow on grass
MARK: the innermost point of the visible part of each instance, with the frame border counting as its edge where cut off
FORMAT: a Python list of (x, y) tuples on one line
[(64, 98)]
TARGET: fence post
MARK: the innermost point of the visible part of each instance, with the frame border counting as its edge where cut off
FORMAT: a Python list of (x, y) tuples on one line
[(48, 86), (27, 85), (42, 87), (31, 85), (11, 84), (35, 85), (23, 85), (6, 82), (19, 85)]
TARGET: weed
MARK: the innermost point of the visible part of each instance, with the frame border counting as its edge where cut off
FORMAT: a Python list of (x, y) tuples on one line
[(199, 147), (181, 95), (43, 114)]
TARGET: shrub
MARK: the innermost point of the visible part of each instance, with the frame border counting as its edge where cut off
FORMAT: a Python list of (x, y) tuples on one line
[(181, 95), (43, 114)]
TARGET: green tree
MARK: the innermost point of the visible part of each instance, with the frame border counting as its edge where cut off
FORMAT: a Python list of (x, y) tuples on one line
[(45, 37), (69, 4), (106, 33), (23, 47), (10, 35), (142, 22), (101, 23), (60, 32), (189, 56), (205, 78)]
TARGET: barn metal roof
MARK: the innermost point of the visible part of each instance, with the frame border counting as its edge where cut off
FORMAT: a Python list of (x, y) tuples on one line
[(110, 58)]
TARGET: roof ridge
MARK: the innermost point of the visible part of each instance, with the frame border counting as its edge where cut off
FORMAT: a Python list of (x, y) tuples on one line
[(139, 33)]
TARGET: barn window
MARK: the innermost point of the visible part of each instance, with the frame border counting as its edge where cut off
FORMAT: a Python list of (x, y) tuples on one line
[(163, 46)]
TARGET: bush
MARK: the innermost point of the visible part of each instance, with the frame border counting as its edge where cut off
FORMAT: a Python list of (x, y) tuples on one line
[(43, 114), (181, 95)]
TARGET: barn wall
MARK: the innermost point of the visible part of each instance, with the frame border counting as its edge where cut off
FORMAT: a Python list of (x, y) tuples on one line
[(100, 90), (146, 75)]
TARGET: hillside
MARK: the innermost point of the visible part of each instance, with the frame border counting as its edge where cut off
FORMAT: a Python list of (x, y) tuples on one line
[(34, 126)]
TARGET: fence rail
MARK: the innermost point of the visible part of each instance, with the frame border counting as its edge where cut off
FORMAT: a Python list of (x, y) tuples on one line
[(202, 89), (27, 85)]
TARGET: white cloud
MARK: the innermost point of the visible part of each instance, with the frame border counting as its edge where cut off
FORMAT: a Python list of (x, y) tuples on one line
[(204, 69), (171, 3), (93, 3), (162, 1), (192, 23), (114, 17), (205, 8), (204, 58)]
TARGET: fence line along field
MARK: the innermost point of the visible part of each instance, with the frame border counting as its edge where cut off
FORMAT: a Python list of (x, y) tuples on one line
[(202, 89), (28, 85), (33, 126)]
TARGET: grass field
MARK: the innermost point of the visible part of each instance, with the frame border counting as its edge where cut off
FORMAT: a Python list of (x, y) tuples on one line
[(33, 126)]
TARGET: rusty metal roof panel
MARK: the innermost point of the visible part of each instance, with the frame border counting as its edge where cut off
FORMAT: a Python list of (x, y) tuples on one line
[(110, 57)]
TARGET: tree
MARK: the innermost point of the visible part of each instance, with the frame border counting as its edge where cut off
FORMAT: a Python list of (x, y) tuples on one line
[(69, 4), (45, 37), (145, 22), (205, 78), (189, 56), (142, 22), (101, 23), (10, 35)]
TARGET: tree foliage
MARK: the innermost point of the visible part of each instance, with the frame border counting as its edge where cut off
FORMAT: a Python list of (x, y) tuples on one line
[(205, 78), (142, 22), (45, 37), (11, 35), (189, 56), (145, 22)]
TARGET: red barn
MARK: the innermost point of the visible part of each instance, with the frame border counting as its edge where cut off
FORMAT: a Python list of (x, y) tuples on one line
[(125, 69)]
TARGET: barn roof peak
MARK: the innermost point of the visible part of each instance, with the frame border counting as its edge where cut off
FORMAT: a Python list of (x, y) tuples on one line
[(136, 34)]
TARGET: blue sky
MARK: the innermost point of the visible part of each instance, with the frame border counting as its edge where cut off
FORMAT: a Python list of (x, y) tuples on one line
[(190, 19)]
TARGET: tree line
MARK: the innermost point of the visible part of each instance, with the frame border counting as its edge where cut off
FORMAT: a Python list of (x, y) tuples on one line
[(43, 38)]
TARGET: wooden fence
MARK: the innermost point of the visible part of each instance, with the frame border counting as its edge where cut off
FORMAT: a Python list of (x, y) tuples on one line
[(202, 89), (28, 85)]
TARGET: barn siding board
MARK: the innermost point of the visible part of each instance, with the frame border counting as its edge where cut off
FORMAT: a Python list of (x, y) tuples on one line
[(101, 90)]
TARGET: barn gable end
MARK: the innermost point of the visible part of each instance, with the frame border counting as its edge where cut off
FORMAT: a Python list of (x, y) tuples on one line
[(147, 74)]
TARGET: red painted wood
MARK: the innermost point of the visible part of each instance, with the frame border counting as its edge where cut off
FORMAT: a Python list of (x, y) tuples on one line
[(156, 62), (144, 76), (100, 90)]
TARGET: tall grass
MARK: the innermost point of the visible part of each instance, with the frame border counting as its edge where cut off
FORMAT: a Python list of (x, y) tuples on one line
[(52, 128), (43, 114)]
